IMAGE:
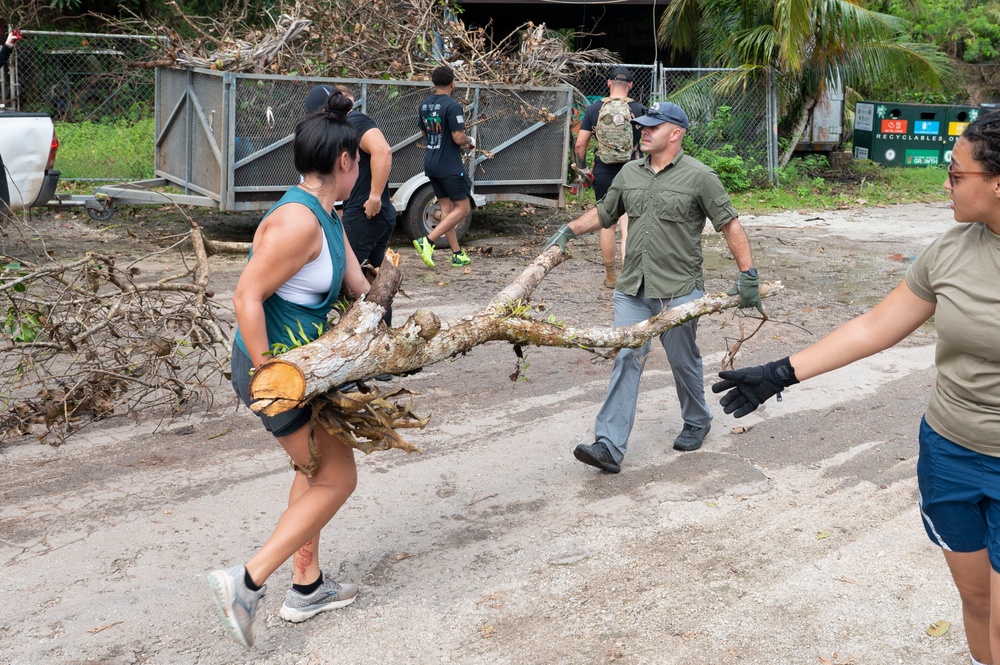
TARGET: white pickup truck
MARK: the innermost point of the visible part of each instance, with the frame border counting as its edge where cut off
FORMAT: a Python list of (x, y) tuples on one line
[(28, 147)]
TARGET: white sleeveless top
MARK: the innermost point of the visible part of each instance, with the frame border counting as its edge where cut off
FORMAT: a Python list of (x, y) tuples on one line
[(310, 285)]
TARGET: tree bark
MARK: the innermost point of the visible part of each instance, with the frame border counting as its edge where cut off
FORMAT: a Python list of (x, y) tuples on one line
[(360, 345), (808, 104)]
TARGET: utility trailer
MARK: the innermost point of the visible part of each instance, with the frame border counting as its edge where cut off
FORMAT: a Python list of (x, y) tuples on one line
[(224, 140)]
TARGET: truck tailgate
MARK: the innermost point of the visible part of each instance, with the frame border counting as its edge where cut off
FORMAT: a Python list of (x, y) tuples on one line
[(25, 140)]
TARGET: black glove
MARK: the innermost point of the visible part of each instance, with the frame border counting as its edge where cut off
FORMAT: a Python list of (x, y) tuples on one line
[(560, 238), (748, 287), (753, 386)]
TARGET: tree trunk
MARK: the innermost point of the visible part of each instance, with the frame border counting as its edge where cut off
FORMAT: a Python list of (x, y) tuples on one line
[(360, 345), (805, 114)]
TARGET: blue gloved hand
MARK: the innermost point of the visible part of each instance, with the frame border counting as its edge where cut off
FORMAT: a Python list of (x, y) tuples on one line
[(748, 287), (560, 237), (752, 386)]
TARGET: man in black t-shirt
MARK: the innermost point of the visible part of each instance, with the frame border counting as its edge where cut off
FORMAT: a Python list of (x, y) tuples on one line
[(605, 170), (368, 216), (443, 125)]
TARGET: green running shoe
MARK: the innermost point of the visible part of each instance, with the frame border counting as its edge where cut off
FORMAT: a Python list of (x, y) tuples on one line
[(459, 259), (425, 248)]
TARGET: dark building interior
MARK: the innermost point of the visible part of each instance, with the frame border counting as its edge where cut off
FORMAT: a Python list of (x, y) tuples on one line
[(627, 28)]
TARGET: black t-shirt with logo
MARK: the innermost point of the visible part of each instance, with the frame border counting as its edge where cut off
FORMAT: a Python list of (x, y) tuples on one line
[(439, 116), (355, 203)]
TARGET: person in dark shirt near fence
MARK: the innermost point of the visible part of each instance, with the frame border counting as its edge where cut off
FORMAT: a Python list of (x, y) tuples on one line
[(368, 215), (443, 125)]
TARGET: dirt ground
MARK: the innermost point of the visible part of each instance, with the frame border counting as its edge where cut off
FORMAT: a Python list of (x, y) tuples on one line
[(795, 541)]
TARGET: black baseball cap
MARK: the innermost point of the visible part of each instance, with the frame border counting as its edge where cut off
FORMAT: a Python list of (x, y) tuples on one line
[(316, 99), (662, 112), (620, 74)]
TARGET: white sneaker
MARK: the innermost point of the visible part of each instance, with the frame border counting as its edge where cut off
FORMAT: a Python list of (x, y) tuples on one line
[(236, 603), (329, 596)]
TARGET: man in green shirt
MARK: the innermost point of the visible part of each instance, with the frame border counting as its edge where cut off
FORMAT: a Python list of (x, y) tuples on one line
[(667, 196)]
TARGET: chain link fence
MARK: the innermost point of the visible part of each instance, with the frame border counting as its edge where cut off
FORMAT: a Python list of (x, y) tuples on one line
[(732, 130), (101, 104), (86, 83), (593, 82), (76, 76)]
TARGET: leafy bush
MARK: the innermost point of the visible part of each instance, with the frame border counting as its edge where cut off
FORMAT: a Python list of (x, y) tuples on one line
[(801, 169), (730, 166), (712, 145), (113, 150)]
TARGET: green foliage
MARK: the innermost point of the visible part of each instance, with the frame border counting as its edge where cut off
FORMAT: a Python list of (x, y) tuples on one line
[(515, 309), (713, 145), (118, 150), (66, 5), (846, 43), (967, 30), (20, 325), (294, 340), (809, 183)]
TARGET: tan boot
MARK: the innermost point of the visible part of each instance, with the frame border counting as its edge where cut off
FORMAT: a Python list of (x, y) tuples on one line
[(610, 276)]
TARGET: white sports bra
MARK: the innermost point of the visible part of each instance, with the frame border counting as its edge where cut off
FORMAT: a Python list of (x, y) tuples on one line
[(310, 285)]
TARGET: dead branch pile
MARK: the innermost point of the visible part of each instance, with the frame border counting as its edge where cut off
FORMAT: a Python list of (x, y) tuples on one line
[(395, 39), (88, 338)]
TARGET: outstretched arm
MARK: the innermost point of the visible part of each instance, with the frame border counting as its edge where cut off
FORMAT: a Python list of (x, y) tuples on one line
[(886, 324), (883, 326)]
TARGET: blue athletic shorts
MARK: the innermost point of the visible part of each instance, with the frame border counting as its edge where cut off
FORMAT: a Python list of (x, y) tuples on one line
[(959, 495), (282, 424)]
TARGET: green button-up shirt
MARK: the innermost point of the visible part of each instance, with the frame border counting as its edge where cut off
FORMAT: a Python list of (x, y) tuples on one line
[(666, 217)]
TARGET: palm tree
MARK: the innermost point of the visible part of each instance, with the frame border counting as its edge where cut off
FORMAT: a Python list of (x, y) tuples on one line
[(810, 44)]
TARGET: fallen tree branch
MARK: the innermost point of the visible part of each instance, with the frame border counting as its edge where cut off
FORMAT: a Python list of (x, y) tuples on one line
[(358, 347)]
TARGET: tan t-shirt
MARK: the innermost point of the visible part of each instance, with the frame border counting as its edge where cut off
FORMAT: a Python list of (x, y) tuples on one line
[(960, 272)]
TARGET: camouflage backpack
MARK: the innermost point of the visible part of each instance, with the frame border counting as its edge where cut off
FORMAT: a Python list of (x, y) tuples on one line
[(614, 131)]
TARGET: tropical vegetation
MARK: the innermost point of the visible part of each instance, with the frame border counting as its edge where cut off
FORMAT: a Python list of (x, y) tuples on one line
[(809, 45)]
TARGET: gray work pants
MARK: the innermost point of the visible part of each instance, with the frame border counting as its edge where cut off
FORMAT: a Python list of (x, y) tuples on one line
[(617, 414)]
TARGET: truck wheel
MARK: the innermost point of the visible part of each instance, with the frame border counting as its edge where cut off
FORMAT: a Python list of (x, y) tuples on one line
[(423, 213)]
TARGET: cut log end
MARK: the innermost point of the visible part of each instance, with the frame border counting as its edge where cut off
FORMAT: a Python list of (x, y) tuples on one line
[(276, 386)]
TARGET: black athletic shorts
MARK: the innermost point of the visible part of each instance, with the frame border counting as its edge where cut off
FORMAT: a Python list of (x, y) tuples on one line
[(456, 187), (603, 175), (282, 424)]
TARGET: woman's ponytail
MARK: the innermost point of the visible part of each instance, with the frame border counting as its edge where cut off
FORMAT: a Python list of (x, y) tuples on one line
[(321, 137)]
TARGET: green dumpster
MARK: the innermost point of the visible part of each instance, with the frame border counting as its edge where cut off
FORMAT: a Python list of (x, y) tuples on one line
[(900, 134)]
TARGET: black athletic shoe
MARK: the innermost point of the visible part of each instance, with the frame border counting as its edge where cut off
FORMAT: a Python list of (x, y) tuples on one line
[(597, 454), (691, 437)]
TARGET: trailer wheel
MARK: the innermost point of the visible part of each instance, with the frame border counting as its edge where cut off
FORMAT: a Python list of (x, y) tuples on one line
[(99, 210), (423, 213)]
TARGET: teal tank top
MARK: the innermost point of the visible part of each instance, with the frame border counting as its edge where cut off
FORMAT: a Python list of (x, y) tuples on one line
[(284, 319)]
